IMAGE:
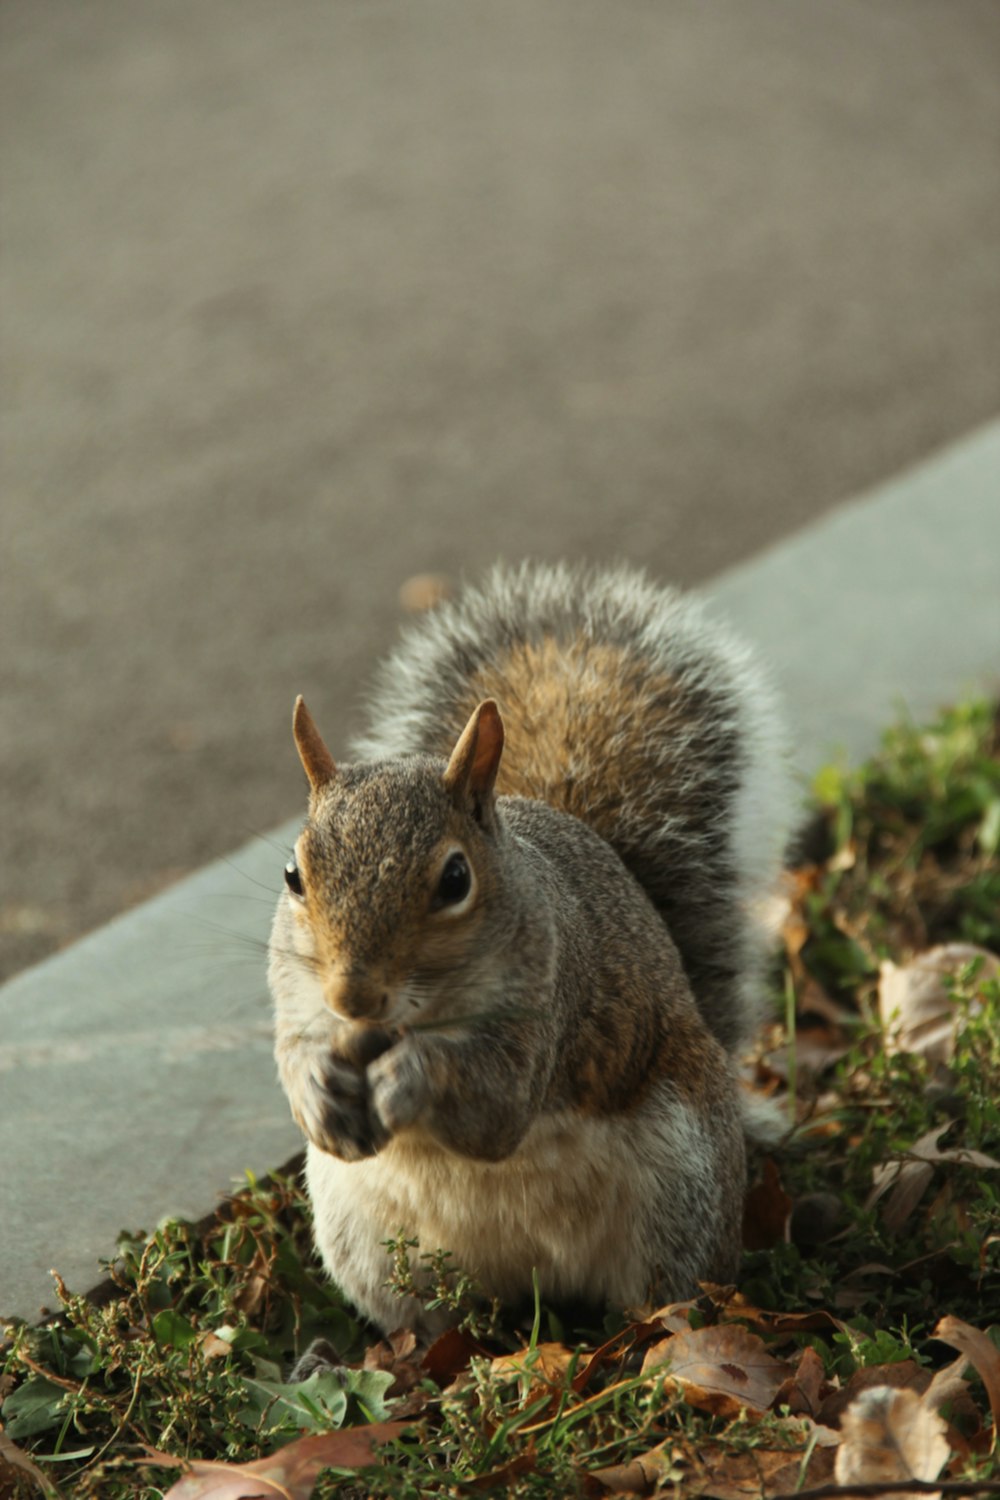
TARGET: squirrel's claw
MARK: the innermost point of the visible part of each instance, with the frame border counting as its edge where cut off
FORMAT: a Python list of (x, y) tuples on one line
[(334, 1111)]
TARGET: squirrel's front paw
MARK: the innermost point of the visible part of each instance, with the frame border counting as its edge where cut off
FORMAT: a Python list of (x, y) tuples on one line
[(399, 1087), (333, 1109)]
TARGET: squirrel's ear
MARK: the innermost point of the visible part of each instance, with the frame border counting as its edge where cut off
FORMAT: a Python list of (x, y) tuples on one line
[(315, 757), (475, 760)]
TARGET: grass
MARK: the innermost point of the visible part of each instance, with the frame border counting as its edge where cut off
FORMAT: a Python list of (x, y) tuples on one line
[(187, 1355)]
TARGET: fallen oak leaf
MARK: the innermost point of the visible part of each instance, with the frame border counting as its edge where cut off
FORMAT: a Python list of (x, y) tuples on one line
[(909, 1173), (981, 1352), (766, 1210), (12, 1457), (287, 1474), (910, 1181), (450, 1354), (721, 1369), (915, 1004), (545, 1364), (902, 1373), (888, 1436), (424, 591), (212, 1346), (892, 1435), (399, 1357), (738, 1309), (618, 1346), (974, 1489), (803, 1389), (761, 1472), (514, 1468), (639, 1476), (675, 1316)]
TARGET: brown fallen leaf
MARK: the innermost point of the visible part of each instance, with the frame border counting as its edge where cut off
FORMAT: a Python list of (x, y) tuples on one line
[(981, 1353), (734, 1306), (423, 591), (915, 1008), (616, 1348), (888, 1436), (514, 1468), (909, 1184), (546, 1364), (763, 1472), (399, 1356), (909, 1174), (212, 1347), (766, 1211), (450, 1354), (287, 1474), (13, 1458), (674, 1318), (640, 1476), (722, 1369), (802, 1391), (903, 1373)]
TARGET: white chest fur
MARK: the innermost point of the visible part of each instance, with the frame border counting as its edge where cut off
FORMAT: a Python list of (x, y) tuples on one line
[(580, 1201)]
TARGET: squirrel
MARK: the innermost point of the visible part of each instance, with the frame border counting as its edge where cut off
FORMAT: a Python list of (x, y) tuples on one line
[(516, 954)]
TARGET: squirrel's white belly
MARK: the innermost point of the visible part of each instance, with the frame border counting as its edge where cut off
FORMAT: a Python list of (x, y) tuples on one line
[(581, 1202)]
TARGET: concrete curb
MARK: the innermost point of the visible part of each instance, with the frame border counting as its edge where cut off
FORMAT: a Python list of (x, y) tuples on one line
[(891, 601), (136, 1066)]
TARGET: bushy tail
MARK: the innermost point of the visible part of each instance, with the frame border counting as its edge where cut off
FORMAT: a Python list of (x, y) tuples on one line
[(627, 707)]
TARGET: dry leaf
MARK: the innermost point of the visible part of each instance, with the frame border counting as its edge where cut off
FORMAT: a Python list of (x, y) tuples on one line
[(915, 1008), (674, 1318), (888, 1436), (423, 591), (762, 1472), (816, 1049), (909, 1184), (947, 1383), (450, 1354), (736, 1306), (902, 1373), (766, 1211), (621, 1343), (910, 1174), (722, 1370), (545, 1364), (398, 1356), (289, 1473), (640, 1476), (12, 1457), (980, 1351), (212, 1347), (521, 1463), (803, 1390)]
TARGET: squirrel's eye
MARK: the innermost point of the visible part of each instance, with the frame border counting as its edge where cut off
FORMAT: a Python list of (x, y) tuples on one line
[(293, 879), (455, 882)]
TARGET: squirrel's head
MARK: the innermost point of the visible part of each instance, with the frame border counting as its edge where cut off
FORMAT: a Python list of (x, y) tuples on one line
[(394, 869)]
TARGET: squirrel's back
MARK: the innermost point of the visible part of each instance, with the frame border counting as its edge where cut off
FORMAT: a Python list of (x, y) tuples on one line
[(625, 706)]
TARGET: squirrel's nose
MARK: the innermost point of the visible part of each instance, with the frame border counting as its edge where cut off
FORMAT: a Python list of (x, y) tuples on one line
[(355, 996)]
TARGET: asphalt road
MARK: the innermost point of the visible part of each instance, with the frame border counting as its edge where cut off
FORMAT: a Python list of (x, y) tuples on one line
[(299, 300)]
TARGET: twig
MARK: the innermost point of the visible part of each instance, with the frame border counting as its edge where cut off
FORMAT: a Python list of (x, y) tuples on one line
[(971, 1487), (76, 1386), (125, 1421)]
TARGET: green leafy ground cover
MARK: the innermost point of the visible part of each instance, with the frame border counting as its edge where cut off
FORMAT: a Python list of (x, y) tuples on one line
[(878, 1216)]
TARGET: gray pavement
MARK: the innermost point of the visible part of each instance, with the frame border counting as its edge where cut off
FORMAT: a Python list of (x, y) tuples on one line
[(300, 299), (135, 1069)]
